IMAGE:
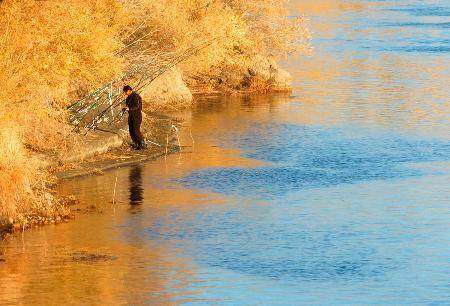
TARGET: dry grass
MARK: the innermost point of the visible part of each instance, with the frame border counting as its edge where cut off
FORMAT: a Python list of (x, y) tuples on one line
[(54, 52), (15, 176)]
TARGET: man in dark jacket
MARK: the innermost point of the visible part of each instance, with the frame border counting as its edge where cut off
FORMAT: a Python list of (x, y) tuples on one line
[(134, 105)]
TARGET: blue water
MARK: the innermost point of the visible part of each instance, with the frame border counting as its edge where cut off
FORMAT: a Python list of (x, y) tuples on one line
[(335, 216), (335, 195), (301, 157)]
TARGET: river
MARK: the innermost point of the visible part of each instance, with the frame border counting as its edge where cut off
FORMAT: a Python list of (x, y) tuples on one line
[(336, 194)]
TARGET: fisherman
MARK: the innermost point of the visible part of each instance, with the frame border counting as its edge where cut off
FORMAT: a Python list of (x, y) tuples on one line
[(134, 104)]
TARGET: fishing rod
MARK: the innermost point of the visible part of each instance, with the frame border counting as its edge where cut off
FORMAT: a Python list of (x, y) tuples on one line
[(101, 89), (132, 71), (185, 55), (82, 111)]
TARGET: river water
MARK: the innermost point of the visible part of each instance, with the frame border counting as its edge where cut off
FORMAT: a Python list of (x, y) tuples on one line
[(337, 194)]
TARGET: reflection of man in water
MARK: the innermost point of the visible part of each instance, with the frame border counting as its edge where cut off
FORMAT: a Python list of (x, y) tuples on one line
[(136, 190)]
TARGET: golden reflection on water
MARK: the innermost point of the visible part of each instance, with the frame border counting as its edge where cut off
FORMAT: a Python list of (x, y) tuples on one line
[(386, 100), (338, 84), (325, 7), (45, 273)]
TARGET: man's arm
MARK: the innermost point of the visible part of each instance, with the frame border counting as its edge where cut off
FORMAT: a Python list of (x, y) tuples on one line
[(125, 105), (139, 101)]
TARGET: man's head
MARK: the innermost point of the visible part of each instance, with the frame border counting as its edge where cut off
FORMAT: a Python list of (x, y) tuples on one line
[(127, 90)]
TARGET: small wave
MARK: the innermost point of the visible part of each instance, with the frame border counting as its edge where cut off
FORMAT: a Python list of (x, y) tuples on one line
[(439, 25), (419, 49), (423, 11)]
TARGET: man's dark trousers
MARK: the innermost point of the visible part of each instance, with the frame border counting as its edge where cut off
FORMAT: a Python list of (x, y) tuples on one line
[(134, 126)]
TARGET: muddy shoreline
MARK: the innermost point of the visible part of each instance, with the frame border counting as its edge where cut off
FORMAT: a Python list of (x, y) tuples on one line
[(96, 165)]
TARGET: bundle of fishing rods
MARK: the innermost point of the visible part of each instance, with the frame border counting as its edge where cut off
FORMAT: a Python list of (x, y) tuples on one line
[(99, 110)]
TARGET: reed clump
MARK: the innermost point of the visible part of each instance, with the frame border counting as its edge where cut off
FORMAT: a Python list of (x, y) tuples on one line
[(54, 52)]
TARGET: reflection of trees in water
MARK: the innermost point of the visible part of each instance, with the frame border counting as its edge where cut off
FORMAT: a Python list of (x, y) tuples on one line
[(136, 190)]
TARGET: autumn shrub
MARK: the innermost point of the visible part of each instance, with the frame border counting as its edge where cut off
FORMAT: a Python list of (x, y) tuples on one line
[(15, 173)]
